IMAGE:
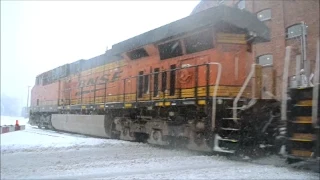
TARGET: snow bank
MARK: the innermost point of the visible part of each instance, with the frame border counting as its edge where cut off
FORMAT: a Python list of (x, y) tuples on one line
[(34, 139), (9, 120), (38, 154)]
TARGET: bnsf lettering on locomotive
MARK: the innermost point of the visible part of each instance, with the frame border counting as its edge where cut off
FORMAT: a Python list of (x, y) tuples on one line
[(100, 80), (116, 75), (104, 78), (82, 83), (92, 81)]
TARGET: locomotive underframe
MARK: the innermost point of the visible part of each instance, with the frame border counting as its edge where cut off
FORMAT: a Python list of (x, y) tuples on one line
[(188, 125)]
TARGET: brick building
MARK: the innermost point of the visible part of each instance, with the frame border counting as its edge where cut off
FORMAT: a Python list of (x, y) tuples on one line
[(284, 18)]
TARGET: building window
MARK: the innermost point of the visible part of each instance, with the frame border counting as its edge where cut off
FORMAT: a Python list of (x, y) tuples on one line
[(241, 4), (294, 31), (264, 15), (265, 60)]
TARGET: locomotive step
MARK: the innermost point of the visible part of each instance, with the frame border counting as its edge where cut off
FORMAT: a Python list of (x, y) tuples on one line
[(301, 153), (299, 94), (235, 107), (229, 129), (229, 140), (299, 129), (231, 118), (302, 137), (307, 103), (225, 145), (301, 111), (301, 140), (303, 120)]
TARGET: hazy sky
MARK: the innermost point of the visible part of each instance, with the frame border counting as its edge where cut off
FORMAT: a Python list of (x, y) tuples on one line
[(39, 36)]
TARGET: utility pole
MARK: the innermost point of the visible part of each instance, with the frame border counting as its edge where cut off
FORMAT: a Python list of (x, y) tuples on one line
[(27, 109), (306, 63)]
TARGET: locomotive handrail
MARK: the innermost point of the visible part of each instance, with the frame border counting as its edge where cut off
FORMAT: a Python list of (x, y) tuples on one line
[(315, 93), (235, 101), (169, 70), (214, 99), (285, 84)]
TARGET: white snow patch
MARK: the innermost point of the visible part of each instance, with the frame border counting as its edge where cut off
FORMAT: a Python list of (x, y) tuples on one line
[(180, 167), (36, 153), (34, 139)]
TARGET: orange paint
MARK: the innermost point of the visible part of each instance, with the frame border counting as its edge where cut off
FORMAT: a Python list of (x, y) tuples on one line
[(109, 85)]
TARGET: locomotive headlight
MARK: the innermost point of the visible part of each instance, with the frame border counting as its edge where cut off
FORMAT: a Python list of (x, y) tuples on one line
[(219, 101)]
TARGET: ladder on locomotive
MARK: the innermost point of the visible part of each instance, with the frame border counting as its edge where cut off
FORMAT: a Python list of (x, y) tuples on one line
[(229, 132), (302, 117)]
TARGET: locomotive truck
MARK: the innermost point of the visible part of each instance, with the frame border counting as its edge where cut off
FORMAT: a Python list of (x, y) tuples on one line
[(193, 82)]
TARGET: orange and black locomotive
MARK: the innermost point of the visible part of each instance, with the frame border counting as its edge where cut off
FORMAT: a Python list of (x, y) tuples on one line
[(194, 81)]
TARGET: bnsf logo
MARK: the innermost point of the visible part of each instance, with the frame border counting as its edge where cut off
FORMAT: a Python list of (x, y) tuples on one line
[(105, 78), (100, 80)]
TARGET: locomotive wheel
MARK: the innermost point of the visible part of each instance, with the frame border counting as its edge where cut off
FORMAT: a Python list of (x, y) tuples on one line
[(50, 123), (125, 131), (46, 125), (41, 119), (114, 133), (198, 138), (156, 135), (47, 120)]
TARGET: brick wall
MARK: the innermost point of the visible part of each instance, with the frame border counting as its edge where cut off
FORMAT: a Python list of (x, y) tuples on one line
[(284, 13)]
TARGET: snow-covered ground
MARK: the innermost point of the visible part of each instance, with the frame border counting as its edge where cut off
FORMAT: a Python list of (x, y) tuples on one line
[(38, 154)]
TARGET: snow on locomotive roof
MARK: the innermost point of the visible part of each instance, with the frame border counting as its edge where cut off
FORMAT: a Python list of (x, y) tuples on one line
[(239, 18)]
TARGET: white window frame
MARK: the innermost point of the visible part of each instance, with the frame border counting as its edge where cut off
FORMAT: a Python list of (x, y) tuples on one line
[(266, 18), (287, 31), (264, 65)]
